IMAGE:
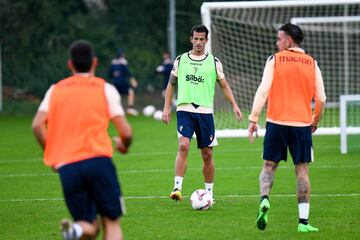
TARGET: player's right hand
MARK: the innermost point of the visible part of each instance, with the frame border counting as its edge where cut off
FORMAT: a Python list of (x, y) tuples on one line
[(166, 116), (253, 128), (313, 128), (134, 83)]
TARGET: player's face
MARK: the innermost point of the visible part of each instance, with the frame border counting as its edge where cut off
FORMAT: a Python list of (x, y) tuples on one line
[(282, 41), (198, 41)]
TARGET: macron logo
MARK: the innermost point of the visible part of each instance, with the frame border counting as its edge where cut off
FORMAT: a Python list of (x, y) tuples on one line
[(295, 59)]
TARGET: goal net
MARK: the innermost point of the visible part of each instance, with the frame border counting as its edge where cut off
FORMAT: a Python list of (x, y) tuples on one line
[(243, 36)]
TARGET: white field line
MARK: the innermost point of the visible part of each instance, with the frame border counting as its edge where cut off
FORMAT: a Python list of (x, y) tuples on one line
[(163, 197), (141, 154), (135, 171)]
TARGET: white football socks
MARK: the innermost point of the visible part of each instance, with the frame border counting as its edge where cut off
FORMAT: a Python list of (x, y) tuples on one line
[(209, 188), (304, 209), (78, 230), (178, 182)]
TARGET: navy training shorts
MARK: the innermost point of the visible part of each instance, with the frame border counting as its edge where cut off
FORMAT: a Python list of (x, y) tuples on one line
[(200, 123), (90, 187), (280, 138), (123, 88)]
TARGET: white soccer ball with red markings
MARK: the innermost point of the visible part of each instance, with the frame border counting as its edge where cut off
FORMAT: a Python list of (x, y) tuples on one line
[(200, 200)]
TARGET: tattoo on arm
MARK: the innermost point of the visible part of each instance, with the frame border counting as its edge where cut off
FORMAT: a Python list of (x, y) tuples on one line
[(173, 80)]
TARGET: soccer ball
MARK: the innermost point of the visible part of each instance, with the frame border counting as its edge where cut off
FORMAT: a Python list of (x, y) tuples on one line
[(200, 200), (149, 110), (158, 115)]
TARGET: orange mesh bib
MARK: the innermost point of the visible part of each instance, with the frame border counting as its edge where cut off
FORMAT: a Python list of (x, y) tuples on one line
[(292, 88), (78, 120)]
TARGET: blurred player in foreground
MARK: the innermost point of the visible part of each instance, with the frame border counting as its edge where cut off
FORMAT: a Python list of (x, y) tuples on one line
[(71, 126)]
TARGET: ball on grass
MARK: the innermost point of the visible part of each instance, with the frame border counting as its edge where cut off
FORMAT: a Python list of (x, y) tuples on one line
[(149, 110), (158, 115)]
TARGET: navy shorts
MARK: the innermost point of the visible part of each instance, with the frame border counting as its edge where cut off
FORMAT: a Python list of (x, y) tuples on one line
[(280, 138), (122, 88), (91, 187), (200, 123)]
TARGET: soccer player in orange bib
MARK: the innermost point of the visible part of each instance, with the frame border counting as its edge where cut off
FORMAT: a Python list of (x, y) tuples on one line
[(290, 82), (71, 125)]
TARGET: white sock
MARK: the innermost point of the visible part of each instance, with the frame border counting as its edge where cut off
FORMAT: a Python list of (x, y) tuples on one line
[(78, 230), (304, 209), (209, 188), (178, 182)]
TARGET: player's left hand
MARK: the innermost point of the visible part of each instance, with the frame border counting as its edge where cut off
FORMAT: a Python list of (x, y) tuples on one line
[(238, 113), (119, 145)]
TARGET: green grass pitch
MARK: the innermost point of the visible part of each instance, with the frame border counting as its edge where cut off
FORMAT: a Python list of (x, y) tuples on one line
[(31, 204)]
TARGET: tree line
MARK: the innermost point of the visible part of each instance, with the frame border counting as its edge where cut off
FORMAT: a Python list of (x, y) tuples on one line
[(35, 36)]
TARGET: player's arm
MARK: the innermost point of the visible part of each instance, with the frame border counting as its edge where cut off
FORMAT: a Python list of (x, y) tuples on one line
[(133, 82), (230, 97), (40, 119), (319, 98), (227, 89), (123, 142), (169, 92), (260, 98), (39, 127), (117, 115)]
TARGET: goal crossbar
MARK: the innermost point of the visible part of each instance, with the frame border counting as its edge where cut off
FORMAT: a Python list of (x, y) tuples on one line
[(337, 19)]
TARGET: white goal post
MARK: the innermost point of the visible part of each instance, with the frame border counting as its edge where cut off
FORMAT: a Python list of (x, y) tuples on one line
[(243, 34), (344, 129)]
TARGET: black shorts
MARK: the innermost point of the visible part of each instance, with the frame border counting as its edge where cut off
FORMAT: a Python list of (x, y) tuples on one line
[(200, 123), (123, 88), (280, 138), (91, 187)]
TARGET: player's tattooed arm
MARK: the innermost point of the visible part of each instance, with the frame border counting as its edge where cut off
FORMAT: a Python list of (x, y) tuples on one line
[(173, 80)]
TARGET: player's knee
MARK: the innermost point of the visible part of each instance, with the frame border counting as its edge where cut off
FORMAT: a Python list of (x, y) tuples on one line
[(91, 230), (301, 170), (112, 228), (207, 156), (183, 147), (270, 166)]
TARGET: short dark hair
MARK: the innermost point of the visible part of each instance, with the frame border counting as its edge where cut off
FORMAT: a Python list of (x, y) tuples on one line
[(199, 28), (81, 54), (120, 52), (294, 31)]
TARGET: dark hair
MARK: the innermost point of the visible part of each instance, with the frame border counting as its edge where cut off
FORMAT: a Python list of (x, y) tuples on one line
[(81, 54), (120, 52), (294, 31), (199, 28)]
